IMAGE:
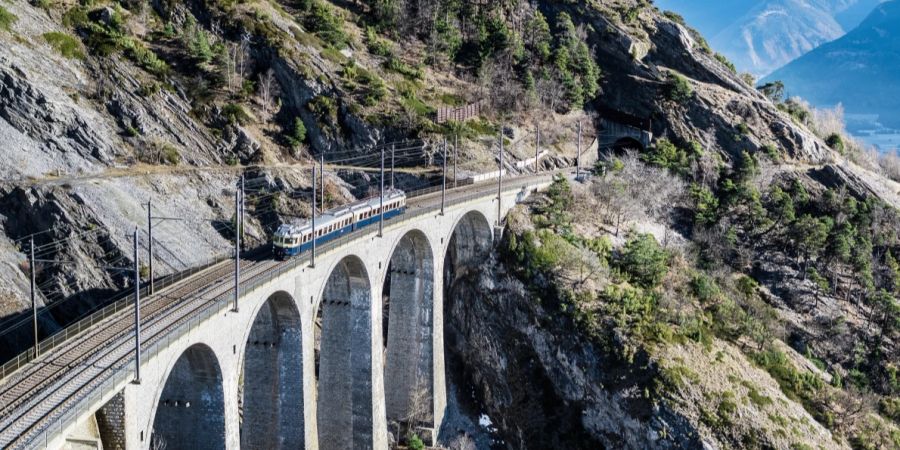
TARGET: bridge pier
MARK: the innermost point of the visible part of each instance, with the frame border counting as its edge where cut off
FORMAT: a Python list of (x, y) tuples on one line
[(293, 396)]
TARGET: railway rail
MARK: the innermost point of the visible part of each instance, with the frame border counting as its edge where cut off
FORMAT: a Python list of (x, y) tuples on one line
[(47, 390)]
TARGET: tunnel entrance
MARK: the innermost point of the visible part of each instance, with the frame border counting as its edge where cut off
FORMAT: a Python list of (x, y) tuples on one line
[(344, 358), (272, 375), (408, 298), (191, 409)]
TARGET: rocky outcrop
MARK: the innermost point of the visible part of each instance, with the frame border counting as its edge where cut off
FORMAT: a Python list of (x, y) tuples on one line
[(544, 385)]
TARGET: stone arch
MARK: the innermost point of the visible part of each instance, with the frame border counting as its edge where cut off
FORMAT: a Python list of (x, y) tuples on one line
[(408, 292), (470, 241), (190, 412), (271, 395), (344, 363)]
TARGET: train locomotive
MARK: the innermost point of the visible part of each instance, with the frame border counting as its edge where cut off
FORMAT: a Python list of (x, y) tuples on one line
[(291, 239)]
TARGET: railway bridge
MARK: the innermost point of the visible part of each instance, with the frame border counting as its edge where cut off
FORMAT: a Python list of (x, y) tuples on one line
[(332, 355)]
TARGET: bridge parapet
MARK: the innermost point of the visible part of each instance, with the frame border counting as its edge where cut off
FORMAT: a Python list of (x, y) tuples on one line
[(112, 378)]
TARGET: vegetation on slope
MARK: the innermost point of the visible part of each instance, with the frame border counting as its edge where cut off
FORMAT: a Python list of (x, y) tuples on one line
[(632, 294)]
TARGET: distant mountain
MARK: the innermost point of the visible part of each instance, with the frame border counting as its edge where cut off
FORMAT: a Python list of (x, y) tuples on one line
[(861, 70), (774, 33), (852, 16), (761, 36)]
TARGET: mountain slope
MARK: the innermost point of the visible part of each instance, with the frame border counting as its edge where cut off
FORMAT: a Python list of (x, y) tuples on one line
[(860, 69)]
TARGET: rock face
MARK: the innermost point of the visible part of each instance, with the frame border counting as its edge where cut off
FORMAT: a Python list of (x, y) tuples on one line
[(720, 103), (540, 382)]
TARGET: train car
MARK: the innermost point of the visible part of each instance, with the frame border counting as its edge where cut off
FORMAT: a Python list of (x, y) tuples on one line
[(291, 239)]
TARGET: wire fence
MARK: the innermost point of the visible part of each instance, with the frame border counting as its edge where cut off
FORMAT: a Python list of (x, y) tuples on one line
[(125, 299)]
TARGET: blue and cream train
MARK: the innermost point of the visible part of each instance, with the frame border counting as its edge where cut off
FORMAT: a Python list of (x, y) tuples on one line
[(293, 238)]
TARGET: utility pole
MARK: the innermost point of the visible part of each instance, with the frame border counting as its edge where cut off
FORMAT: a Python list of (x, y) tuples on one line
[(150, 243), (455, 159), (34, 301), (444, 180), (537, 145), (381, 202), (238, 225), (500, 177), (312, 260), (392, 167), (137, 312), (322, 174), (578, 156)]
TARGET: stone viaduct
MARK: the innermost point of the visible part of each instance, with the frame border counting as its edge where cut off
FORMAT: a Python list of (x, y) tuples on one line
[(331, 356)]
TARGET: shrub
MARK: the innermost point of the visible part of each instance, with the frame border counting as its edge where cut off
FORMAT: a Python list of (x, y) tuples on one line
[(327, 24), (196, 41), (644, 261), (665, 154), (795, 384), (376, 45), (66, 45), (298, 134), (705, 288), (7, 19), (836, 142), (235, 114), (772, 152), (324, 107), (706, 205), (722, 59), (170, 155), (394, 64), (890, 407), (796, 109), (415, 443), (678, 89), (75, 17)]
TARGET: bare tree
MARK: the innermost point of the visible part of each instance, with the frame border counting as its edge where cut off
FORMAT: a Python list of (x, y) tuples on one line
[(215, 32), (157, 443), (242, 55), (229, 66), (267, 86), (550, 93), (462, 442)]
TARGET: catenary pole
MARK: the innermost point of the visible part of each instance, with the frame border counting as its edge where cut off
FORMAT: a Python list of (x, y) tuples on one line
[(322, 190), (500, 177), (578, 156), (381, 201), (537, 145), (34, 300), (392, 167), (444, 180), (150, 243), (455, 159), (238, 224), (137, 312), (312, 260)]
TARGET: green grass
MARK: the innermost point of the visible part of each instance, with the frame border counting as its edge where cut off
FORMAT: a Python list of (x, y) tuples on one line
[(417, 105), (66, 45), (334, 55), (756, 398), (7, 19)]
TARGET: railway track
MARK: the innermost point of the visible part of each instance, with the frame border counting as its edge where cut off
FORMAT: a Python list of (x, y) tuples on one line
[(39, 395), (85, 358)]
